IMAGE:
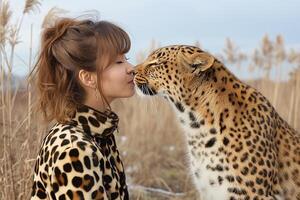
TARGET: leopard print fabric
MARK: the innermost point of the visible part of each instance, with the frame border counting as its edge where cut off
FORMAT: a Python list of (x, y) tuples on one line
[(80, 159)]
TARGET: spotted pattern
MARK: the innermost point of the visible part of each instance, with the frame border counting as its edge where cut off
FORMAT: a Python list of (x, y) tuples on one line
[(80, 159), (238, 145)]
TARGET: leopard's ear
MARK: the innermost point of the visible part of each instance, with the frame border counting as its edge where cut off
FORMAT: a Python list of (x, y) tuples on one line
[(197, 62)]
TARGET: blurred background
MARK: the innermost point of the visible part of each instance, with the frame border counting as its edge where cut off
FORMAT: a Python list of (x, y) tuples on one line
[(257, 40)]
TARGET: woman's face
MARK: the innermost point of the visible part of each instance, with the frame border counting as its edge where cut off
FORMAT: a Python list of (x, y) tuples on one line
[(117, 79)]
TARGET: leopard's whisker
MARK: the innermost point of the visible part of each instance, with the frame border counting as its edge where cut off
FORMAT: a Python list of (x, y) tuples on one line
[(154, 102), (145, 92)]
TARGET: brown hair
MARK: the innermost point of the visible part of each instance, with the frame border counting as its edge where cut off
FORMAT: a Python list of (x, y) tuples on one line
[(67, 47)]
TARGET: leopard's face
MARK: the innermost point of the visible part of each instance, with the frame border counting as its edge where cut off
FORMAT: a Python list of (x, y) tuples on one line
[(168, 71)]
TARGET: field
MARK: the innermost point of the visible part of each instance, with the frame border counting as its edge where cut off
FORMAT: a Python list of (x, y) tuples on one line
[(150, 141)]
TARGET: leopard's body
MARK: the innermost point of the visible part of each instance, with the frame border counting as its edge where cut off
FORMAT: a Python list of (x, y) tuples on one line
[(238, 145)]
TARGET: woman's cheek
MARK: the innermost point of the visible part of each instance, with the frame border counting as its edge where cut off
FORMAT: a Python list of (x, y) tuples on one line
[(122, 78), (118, 81)]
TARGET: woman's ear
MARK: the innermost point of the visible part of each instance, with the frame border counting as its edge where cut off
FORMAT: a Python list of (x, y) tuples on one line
[(197, 62), (87, 79)]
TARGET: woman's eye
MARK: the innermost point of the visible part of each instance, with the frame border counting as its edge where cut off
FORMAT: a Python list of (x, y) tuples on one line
[(120, 62)]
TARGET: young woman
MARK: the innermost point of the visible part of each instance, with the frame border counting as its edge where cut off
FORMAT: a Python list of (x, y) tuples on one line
[(81, 69)]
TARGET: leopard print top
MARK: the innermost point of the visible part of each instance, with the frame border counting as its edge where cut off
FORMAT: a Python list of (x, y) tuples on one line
[(80, 159)]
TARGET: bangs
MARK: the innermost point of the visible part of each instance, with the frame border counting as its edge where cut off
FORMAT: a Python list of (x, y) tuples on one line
[(112, 41)]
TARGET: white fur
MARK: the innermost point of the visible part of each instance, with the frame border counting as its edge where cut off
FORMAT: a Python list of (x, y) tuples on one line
[(198, 164)]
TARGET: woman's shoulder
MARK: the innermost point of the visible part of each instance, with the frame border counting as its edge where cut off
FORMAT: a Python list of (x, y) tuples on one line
[(61, 139), (64, 136), (64, 144)]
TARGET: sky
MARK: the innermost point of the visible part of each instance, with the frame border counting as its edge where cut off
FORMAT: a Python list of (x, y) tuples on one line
[(176, 22)]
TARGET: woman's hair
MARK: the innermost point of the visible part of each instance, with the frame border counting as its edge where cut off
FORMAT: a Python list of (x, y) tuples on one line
[(67, 47)]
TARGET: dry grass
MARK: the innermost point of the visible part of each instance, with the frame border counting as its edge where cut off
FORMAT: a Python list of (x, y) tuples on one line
[(31, 5), (151, 144), (150, 141)]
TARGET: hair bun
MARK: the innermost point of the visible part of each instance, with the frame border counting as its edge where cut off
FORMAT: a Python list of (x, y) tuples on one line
[(59, 29)]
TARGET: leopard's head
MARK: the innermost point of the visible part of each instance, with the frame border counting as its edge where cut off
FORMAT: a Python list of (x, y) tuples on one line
[(171, 71)]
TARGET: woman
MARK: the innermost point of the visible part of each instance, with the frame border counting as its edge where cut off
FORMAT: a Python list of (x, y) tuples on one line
[(81, 69)]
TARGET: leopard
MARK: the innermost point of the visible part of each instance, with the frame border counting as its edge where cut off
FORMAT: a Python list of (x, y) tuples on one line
[(238, 145)]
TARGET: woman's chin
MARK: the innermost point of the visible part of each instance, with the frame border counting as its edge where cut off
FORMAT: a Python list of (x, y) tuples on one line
[(132, 92), (127, 94)]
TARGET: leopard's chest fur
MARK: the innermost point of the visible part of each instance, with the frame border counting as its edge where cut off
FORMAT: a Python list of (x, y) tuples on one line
[(206, 161)]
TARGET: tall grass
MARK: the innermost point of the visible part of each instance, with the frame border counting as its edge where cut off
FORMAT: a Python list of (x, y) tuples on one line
[(150, 140)]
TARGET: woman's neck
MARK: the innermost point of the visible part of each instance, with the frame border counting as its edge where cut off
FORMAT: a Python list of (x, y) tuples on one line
[(98, 104)]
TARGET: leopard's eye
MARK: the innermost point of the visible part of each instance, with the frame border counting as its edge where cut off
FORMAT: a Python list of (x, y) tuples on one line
[(152, 64)]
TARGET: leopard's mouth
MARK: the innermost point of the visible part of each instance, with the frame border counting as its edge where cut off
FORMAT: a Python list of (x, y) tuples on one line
[(145, 89)]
